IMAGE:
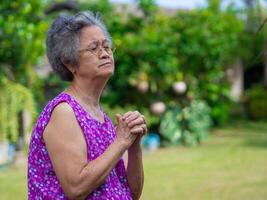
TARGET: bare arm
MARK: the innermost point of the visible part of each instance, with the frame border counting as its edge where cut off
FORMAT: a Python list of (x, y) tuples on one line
[(135, 172), (68, 152)]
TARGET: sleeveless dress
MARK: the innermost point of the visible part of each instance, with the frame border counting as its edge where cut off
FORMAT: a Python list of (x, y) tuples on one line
[(42, 181)]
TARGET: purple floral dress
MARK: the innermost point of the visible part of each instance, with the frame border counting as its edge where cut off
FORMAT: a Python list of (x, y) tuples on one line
[(42, 181)]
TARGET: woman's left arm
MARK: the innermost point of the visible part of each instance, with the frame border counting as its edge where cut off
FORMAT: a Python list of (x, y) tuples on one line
[(135, 172)]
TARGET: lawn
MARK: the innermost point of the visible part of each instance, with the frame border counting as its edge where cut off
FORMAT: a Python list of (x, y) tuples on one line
[(230, 165)]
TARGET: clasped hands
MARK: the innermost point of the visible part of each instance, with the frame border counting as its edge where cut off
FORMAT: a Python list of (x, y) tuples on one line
[(130, 126)]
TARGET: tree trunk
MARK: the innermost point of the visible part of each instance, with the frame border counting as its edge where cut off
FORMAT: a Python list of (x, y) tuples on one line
[(265, 64), (236, 77)]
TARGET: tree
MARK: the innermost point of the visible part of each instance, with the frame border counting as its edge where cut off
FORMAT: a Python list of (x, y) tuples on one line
[(22, 43)]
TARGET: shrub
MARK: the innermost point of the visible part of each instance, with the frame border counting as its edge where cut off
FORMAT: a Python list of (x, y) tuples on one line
[(188, 125), (256, 103)]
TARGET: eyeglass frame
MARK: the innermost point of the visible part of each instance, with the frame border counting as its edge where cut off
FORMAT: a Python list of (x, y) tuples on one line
[(99, 48)]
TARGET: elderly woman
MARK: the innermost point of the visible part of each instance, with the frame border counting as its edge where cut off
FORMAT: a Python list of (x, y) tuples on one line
[(75, 151)]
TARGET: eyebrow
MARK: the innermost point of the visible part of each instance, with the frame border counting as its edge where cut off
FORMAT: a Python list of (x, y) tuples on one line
[(104, 40), (92, 42), (97, 41)]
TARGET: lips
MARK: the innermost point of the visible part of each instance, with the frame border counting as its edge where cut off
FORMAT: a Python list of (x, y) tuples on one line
[(104, 64)]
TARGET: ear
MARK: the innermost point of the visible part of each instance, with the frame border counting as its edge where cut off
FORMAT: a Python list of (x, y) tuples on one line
[(71, 67)]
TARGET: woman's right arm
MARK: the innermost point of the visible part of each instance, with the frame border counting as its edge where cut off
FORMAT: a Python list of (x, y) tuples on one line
[(68, 153)]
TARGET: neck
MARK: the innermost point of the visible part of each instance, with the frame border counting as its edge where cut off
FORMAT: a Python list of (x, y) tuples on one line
[(89, 93)]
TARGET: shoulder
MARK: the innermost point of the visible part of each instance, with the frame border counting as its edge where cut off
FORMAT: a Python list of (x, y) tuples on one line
[(63, 109), (62, 119), (63, 129)]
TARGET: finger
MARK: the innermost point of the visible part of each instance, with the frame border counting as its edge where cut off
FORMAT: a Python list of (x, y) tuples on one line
[(144, 119), (118, 118), (127, 114), (138, 121), (132, 117), (138, 130), (144, 127)]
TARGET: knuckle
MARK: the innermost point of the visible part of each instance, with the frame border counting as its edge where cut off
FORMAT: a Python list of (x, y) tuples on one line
[(128, 113)]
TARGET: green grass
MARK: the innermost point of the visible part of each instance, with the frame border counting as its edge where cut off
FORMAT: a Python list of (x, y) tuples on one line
[(13, 185), (230, 165)]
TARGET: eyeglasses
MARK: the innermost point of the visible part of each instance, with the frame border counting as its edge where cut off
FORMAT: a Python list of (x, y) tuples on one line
[(96, 47)]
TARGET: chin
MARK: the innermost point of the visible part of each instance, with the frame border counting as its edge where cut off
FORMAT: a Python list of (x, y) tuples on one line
[(107, 73)]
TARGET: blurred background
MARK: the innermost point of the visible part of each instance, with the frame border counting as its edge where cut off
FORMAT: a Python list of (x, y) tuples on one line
[(196, 69)]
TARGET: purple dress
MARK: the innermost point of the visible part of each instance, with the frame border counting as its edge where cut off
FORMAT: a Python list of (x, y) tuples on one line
[(42, 181)]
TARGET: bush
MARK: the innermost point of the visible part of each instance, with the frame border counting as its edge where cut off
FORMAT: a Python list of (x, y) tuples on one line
[(256, 103), (188, 125)]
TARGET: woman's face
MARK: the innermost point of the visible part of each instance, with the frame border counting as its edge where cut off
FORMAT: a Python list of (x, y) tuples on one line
[(95, 56)]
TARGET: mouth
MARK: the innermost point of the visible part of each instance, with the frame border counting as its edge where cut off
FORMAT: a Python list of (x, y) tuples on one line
[(107, 64)]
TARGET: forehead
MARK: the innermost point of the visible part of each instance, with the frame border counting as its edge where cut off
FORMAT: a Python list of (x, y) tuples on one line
[(91, 33)]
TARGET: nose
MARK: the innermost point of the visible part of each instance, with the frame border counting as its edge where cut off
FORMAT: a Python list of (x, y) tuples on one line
[(103, 54)]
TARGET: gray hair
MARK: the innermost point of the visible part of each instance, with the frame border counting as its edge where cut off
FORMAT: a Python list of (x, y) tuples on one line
[(62, 40)]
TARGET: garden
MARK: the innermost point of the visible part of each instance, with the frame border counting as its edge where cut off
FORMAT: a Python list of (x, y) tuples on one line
[(199, 76)]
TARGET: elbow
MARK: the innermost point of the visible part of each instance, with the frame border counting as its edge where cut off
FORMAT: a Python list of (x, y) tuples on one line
[(136, 191), (136, 196), (75, 191)]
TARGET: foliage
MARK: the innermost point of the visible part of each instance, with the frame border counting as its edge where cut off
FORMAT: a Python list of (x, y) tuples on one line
[(187, 125), (256, 102), (148, 7), (208, 39), (22, 39), (141, 58), (22, 43), (252, 39), (14, 99)]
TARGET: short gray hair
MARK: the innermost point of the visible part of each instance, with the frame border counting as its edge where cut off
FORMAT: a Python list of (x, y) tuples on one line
[(62, 40)]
